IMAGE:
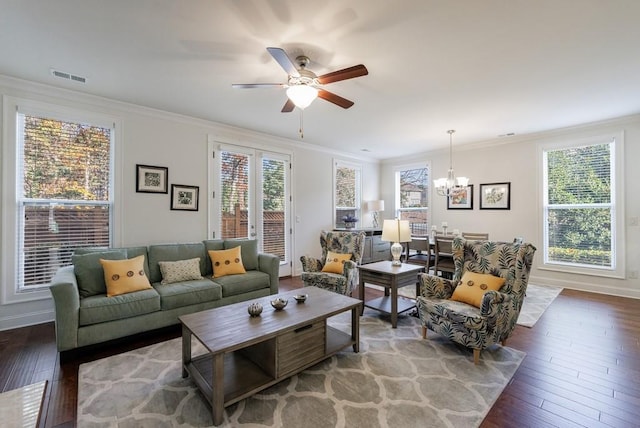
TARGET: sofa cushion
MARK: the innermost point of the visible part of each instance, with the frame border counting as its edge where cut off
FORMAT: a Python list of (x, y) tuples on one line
[(89, 272), (98, 309), (181, 270), (215, 245), (188, 293), (172, 253), (253, 280), (130, 252), (249, 248), (125, 276), (227, 262)]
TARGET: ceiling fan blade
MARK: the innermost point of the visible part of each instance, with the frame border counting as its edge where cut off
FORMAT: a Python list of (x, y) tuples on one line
[(285, 62), (335, 99), (288, 106), (344, 74), (257, 85)]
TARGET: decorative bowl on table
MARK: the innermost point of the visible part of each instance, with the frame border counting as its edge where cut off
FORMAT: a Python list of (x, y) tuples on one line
[(300, 298), (255, 309), (279, 303)]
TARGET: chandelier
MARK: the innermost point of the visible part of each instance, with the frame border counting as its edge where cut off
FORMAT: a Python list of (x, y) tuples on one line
[(450, 185)]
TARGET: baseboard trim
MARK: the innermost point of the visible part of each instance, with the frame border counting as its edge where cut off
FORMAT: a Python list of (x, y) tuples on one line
[(27, 319), (587, 286)]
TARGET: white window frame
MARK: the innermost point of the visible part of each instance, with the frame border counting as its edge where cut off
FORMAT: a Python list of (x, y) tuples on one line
[(337, 163), (10, 232), (617, 204)]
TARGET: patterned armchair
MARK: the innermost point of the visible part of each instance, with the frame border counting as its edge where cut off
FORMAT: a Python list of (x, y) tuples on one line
[(338, 242), (493, 322)]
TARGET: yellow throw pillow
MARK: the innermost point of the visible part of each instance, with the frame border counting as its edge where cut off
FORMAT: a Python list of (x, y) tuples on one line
[(335, 262), (227, 262), (124, 276), (473, 286)]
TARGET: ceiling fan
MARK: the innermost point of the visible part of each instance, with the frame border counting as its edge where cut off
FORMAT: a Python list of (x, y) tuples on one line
[(303, 86)]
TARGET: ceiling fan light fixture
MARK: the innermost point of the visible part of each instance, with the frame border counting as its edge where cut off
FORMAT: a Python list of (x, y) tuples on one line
[(302, 95)]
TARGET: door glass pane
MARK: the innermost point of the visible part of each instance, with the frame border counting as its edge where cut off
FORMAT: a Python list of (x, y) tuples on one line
[(273, 206), (234, 175)]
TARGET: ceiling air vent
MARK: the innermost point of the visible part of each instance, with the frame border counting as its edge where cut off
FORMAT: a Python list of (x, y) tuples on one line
[(68, 76)]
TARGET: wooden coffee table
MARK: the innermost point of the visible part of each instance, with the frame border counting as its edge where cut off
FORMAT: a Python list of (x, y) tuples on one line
[(248, 354), (391, 278)]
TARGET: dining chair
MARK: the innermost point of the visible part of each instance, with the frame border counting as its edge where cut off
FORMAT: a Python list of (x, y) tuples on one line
[(444, 255), (419, 252)]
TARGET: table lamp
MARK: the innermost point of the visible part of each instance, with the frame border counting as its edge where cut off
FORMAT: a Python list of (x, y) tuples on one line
[(375, 207), (396, 231)]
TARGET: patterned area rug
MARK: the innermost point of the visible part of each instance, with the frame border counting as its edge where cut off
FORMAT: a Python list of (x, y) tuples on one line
[(536, 301), (397, 379)]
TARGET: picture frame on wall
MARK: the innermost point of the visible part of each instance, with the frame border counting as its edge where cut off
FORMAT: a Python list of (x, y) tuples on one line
[(495, 196), (462, 200), (152, 179), (184, 197)]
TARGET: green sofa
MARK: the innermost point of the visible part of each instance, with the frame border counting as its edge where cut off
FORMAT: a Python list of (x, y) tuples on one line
[(84, 315)]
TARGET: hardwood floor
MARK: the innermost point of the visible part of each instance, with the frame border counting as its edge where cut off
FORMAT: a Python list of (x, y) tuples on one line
[(582, 367)]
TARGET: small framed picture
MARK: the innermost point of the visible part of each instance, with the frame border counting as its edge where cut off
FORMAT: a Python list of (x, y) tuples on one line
[(462, 200), (495, 196), (152, 179), (184, 197)]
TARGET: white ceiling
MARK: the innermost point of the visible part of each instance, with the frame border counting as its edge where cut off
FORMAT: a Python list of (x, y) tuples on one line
[(482, 67)]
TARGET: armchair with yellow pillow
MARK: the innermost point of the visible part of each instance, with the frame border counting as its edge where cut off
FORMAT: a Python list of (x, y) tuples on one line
[(480, 305), (337, 270), (111, 293)]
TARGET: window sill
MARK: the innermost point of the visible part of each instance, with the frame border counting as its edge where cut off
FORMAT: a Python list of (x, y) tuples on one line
[(603, 273)]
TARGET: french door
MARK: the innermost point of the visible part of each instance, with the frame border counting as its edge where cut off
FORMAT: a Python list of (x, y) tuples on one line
[(251, 199)]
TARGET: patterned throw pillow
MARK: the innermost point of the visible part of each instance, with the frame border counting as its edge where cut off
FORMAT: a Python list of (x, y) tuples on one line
[(181, 270), (124, 276), (473, 286), (335, 262), (227, 262)]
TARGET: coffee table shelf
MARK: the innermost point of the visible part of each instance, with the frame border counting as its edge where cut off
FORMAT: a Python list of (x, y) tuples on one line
[(260, 353)]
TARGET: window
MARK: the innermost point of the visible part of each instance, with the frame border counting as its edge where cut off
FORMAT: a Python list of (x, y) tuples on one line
[(347, 198), (581, 211), (63, 193), (412, 190)]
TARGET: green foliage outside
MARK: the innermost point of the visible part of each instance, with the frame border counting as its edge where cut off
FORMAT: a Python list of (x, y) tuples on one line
[(273, 185), (65, 160), (579, 185)]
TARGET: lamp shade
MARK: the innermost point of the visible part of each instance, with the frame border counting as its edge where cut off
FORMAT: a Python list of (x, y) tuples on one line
[(302, 95), (396, 231), (375, 205)]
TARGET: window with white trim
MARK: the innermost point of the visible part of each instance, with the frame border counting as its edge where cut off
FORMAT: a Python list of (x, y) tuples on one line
[(63, 193), (347, 194), (412, 201), (582, 212)]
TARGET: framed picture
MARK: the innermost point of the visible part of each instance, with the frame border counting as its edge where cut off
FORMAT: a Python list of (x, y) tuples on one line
[(462, 200), (495, 196), (184, 197), (152, 179)]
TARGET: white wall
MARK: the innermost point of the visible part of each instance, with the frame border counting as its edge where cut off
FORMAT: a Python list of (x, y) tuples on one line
[(154, 137), (516, 160)]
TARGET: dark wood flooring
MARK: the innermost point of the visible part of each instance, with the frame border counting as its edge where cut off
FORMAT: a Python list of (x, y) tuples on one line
[(582, 367)]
